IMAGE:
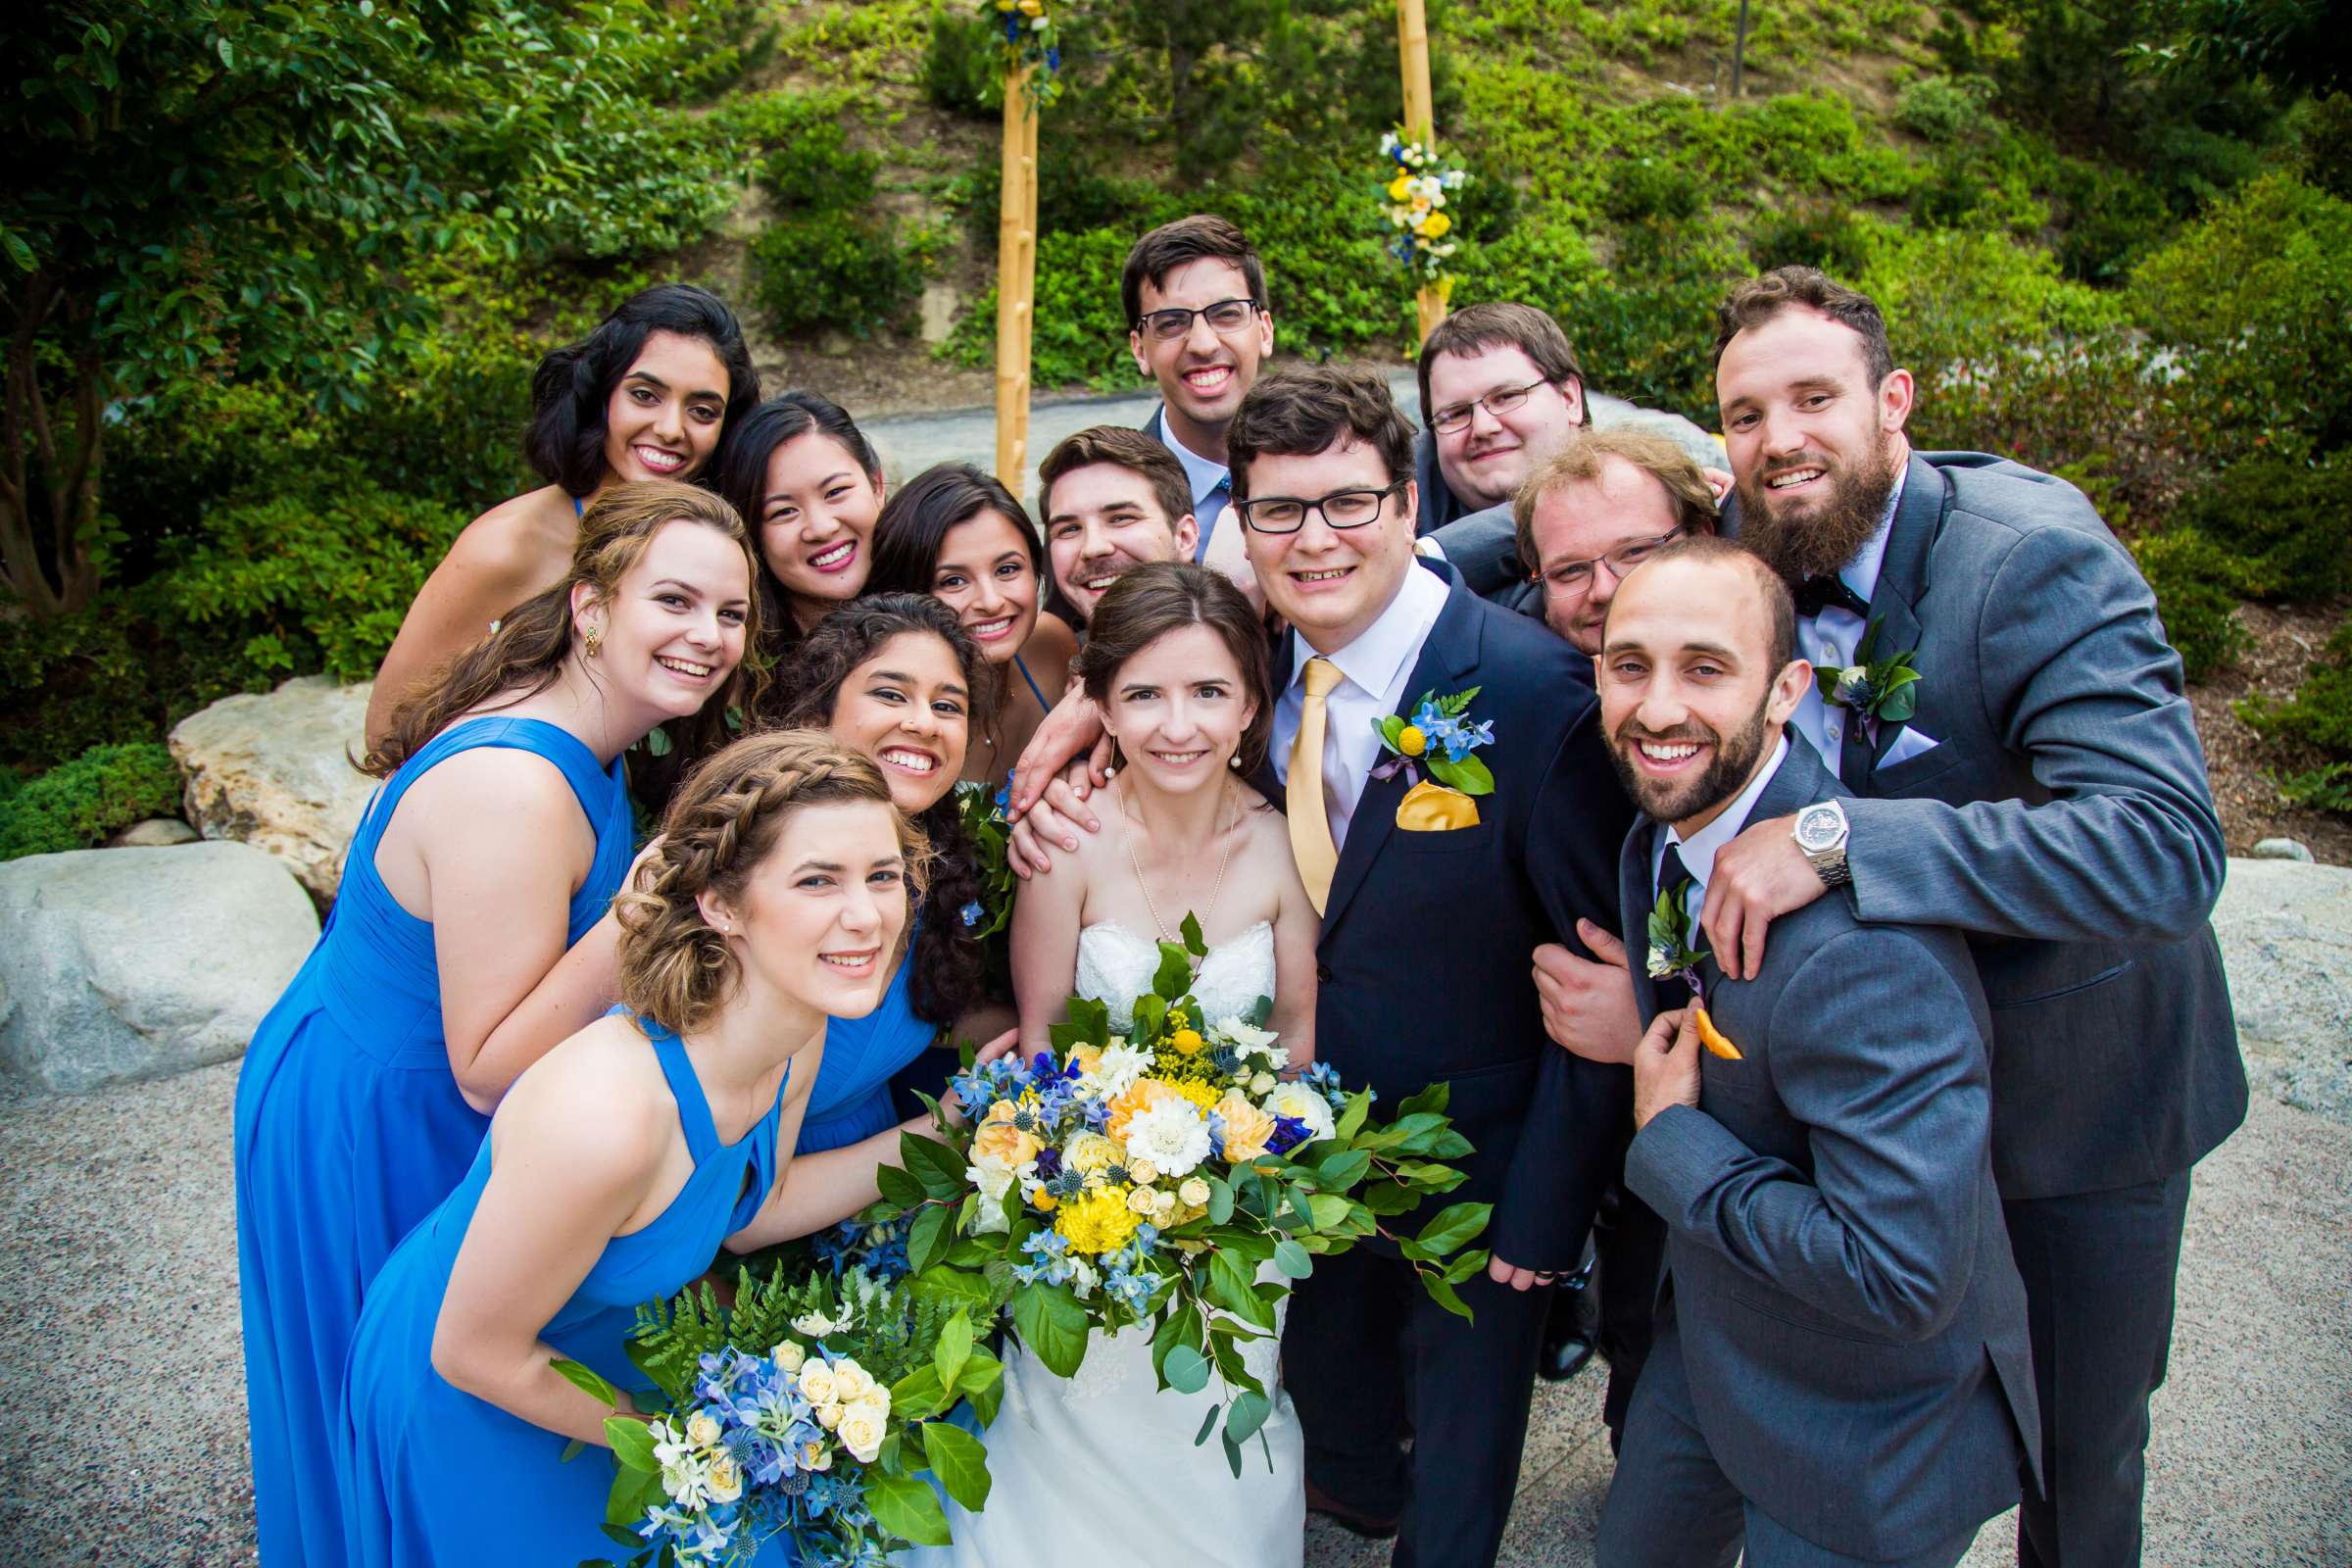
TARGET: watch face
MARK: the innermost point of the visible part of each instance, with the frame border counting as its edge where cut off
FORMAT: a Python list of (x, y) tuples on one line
[(1817, 828)]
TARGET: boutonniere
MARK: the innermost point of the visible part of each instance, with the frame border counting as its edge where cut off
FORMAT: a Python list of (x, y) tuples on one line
[(1883, 691), (1438, 740), (1671, 930)]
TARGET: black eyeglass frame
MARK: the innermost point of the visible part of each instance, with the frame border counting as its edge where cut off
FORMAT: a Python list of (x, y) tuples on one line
[(1248, 508), (1143, 322), (1454, 417)]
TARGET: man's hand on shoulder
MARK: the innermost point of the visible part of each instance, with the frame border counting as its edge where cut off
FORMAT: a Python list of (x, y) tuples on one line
[(1071, 731), (1758, 877)]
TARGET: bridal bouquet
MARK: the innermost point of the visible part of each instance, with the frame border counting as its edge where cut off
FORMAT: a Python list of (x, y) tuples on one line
[(1152, 1177), (808, 1408)]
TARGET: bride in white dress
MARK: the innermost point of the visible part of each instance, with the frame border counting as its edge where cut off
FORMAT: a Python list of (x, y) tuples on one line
[(1101, 1468)]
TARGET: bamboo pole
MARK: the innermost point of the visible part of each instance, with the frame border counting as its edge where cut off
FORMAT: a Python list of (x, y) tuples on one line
[(1420, 124), (1017, 278)]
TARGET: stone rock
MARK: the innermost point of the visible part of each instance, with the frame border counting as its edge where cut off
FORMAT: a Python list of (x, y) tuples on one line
[(272, 771), (2285, 930), (1705, 450), (2283, 850), (123, 964), (156, 833)]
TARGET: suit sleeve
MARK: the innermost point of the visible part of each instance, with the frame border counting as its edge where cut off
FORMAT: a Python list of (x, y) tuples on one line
[(1484, 547), (1875, 1049), (1574, 1132), (2078, 680)]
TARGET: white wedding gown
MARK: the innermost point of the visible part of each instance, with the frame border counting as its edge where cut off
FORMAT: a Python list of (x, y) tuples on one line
[(1100, 1468)]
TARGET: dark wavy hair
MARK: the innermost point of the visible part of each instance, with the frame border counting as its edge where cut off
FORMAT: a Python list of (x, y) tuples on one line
[(914, 525), (572, 384), (740, 473), (1151, 600), (949, 969)]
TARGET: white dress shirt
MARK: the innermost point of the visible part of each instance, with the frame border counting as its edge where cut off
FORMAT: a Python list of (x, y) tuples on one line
[(1212, 490), (1699, 849), (1830, 641), (1375, 667)]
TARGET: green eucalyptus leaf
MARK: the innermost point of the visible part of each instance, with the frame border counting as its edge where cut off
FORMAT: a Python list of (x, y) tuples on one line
[(1186, 1369)]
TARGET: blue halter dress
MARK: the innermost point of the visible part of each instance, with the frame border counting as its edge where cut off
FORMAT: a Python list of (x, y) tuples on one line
[(433, 1477), (350, 1127)]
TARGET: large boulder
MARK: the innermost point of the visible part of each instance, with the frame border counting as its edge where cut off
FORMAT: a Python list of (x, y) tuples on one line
[(274, 771), (120, 964), (2285, 930)]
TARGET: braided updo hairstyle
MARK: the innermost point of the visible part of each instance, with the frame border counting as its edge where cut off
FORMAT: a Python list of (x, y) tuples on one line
[(949, 969), (725, 818)]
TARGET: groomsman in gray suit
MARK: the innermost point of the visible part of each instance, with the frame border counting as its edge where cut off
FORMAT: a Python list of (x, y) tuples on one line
[(2039, 786), (1840, 1371)]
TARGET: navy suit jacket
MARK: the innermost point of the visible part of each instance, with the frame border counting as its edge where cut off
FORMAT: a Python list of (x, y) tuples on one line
[(1851, 1319), (1425, 950)]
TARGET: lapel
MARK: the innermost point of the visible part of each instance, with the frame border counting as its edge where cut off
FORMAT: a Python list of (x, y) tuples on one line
[(1155, 429), (1449, 654), (1636, 898), (1893, 602)]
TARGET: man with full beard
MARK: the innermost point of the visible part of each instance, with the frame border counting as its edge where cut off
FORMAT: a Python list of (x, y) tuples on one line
[(1840, 1374), (2038, 785)]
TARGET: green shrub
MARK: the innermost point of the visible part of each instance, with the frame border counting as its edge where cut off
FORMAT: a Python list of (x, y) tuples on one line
[(838, 273), (84, 802), (2196, 597), (1942, 109), (2325, 140), (963, 72), (2315, 724), (2111, 220), (1824, 233), (817, 171), (2286, 526), (1643, 188)]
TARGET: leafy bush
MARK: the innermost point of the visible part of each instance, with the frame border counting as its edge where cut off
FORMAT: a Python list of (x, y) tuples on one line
[(2196, 597), (1644, 188), (1825, 234), (2315, 723), (835, 273), (963, 71), (817, 171), (84, 802), (2282, 523), (1942, 109)]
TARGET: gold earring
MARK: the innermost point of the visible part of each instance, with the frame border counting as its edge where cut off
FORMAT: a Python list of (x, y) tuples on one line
[(594, 638)]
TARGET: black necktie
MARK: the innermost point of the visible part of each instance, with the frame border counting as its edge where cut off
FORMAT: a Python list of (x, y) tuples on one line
[(1672, 874), (1817, 594)]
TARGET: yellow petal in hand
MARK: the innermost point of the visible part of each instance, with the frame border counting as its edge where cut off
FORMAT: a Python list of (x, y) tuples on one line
[(1433, 808), (1713, 1038)]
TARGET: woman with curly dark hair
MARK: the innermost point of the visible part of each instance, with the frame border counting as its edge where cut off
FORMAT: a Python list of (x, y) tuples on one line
[(896, 678), (648, 395)]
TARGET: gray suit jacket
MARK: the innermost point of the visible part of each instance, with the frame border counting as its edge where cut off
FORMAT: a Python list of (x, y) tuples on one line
[(2063, 820), (1850, 1317)]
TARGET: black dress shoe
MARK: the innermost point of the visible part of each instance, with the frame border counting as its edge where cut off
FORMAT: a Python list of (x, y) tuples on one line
[(1563, 1357), (1349, 1519)]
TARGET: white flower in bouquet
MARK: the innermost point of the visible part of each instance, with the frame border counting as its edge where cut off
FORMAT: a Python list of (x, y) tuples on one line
[(828, 1416), (1304, 1104), (671, 1446), (851, 1383), (992, 1179), (1263, 1083), (819, 1325), (701, 1430), (726, 1479), (1120, 1066), (816, 1383), (815, 1455), (1194, 1192), (1248, 1040), (1171, 1136), (861, 1432), (789, 1355), (1084, 1277)]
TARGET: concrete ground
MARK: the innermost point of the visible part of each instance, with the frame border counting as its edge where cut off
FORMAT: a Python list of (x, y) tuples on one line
[(122, 1396)]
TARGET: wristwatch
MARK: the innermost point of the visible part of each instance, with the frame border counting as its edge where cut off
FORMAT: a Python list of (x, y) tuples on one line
[(1821, 832)]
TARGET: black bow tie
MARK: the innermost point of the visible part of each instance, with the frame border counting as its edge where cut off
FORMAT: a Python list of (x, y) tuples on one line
[(1817, 594)]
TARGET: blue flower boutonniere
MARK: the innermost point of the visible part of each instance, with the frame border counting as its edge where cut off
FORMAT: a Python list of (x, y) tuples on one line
[(1437, 739), (1883, 691)]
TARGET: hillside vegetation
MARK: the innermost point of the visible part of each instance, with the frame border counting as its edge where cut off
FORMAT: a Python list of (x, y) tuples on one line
[(2114, 242)]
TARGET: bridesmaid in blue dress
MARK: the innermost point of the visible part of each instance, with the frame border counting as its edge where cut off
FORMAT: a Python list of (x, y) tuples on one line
[(621, 1163), (959, 535), (466, 942), (896, 678)]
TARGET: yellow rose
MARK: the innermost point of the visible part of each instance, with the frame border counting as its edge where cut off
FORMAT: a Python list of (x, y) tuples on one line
[(1435, 226), (1089, 1155), (998, 1139), (1247, 1128), (788, 1357), (1401, 187)]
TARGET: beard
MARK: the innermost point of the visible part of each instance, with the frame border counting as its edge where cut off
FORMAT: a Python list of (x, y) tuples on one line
[(1816, 544), (1724, 776)]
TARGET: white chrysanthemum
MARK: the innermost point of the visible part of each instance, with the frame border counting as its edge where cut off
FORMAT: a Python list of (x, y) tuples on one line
[(1172, 1135), (1248, 1040), (1119, 1068), (1301, 1104)]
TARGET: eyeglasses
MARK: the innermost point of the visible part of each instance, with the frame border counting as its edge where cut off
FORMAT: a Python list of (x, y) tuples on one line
[(1341, 509), (1573, 580), (1224, 316), (1502, 400)]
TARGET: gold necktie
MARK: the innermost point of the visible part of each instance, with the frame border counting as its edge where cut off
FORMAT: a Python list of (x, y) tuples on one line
[(1312, 843)]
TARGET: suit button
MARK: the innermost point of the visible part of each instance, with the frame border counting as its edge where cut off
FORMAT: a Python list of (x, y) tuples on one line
[(1323, 974)]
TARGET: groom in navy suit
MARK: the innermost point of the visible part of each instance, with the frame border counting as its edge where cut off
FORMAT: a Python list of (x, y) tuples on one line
[(1423, 954)]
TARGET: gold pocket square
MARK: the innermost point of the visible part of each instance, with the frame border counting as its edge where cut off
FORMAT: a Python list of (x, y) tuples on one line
[(1433, 808)]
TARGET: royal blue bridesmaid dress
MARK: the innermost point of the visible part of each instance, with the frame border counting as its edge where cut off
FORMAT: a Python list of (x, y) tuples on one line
[(350, 1127), (433, 1477), (851, 1099)]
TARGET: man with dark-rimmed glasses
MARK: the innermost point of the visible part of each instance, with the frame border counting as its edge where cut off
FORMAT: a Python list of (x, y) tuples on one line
[(1194, 296)]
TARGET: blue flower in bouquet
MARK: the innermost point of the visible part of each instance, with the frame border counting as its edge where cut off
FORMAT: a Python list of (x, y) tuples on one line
[(1323, 1078), (973, 914), (1051, 1251), (1289, 1133)]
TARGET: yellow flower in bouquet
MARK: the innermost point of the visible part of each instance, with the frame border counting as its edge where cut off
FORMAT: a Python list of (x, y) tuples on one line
[(1248, 1129), (1435, 226), (998, 1139), (1089, 1155), (1099, 1222)]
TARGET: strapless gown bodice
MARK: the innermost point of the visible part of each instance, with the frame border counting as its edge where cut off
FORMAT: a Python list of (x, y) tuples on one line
[(1115, 966)]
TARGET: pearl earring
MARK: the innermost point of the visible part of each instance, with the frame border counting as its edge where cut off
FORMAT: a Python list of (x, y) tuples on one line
[(1234, 762)]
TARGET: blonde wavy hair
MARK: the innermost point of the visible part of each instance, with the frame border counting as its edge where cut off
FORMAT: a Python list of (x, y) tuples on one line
[(725, 818), (526, 654)]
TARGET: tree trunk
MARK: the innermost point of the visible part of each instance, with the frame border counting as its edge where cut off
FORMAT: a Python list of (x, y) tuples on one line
[(35, 476)]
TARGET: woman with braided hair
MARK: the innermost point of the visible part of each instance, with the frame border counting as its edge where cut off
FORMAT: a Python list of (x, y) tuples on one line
[(649, 395), (896, 678), (464, 943), (776, 895)]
